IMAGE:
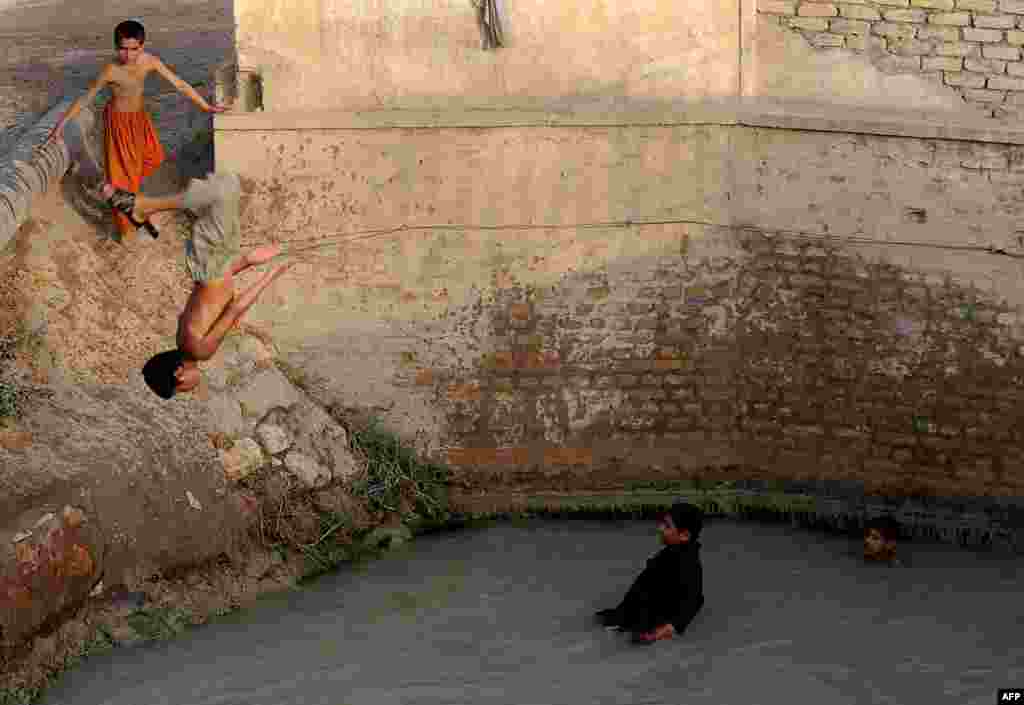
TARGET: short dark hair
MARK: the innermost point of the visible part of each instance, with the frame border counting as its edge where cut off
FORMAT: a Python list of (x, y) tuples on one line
[(686, 516), (129, 29), (159, 372), (888, 527)]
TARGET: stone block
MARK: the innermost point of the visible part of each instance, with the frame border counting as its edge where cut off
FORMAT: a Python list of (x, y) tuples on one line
[(973, 34), (1015, 37), (844, 26), (957, 49), (976, 5), (909, 47), (1001, 53), (1014, 7), (859, 12), (311, 473), (963, 79), (824, 40), (943, 34), (1001, 83), (265, 390), (273, 438), (958, 19), (894, 30), (1015, 68), (933, 4), (982, 95), (985, 65), (994, 21), (817, 9), (943, 63), (903, 15), (810, 24), (241, 460)]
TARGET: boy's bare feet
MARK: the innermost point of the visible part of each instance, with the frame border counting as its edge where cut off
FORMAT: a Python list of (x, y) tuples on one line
[(108, 191), (262, 254)]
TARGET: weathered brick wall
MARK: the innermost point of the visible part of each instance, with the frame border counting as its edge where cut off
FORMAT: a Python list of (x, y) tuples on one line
[(973, 46), (790, 358), (585, 355)]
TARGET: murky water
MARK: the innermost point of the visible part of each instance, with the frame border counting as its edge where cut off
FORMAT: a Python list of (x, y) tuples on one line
[(503, 615)]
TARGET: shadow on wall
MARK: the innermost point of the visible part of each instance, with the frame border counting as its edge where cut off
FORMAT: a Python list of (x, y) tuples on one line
[(799, 359)]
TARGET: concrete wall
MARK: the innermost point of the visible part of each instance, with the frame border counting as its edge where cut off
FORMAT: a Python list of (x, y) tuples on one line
[(583, 299), (354, 54), (937, 55)]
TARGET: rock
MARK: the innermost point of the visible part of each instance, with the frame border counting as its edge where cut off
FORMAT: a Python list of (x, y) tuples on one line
[(310, 472), (388, 537), (192, 501), (45, 519), (263, 391), (242, 460), (21, 536), (98, 590), (274, 438), (225, 414), (319, 436)]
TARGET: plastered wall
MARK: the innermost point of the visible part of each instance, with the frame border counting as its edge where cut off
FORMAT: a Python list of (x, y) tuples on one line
[(581, 303)]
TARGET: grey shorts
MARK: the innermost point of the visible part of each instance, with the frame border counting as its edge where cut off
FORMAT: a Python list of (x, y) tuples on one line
[(216, 239)]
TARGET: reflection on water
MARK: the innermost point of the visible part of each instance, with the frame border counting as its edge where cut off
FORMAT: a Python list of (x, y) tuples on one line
[(503, 615)]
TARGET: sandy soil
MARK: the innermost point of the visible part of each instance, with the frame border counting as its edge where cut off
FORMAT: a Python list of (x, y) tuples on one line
[(52, 48)]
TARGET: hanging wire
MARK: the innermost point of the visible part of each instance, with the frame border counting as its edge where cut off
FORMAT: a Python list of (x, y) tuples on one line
[(298, 246)]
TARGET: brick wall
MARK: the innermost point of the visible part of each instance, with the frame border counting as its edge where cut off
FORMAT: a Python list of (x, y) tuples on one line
[(795, 360), (972, 46), (566, 356)]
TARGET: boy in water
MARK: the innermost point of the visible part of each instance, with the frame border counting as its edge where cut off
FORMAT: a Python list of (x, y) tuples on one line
[(880, 535), (667, 595), (132, 147), (211, 255)]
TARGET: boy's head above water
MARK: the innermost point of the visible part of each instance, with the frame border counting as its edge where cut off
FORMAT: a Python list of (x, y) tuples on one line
[(680, 524), (129, 36), (880, 536)]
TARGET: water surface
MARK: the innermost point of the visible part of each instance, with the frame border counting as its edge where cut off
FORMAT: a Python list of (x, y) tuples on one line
[(503, 615)]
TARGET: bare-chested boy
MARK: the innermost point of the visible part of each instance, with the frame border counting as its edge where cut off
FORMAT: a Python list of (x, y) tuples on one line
[(132, 146), (212, 257)]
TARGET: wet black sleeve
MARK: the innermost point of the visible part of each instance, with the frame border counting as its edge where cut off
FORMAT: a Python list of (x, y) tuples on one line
[(681, 593)]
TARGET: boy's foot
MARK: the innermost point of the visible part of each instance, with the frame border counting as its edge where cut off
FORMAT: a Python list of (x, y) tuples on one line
[(124, 202), (262, 254)]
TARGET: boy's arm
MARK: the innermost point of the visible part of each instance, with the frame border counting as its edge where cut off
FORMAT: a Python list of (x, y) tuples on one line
[(184, 88), (90, 95)]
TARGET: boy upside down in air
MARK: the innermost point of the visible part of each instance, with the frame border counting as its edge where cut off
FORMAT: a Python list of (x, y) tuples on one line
[(667, 595), (212, 258)]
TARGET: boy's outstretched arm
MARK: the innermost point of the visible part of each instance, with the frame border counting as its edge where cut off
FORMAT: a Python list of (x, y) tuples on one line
[(184, 88), (90, 95)]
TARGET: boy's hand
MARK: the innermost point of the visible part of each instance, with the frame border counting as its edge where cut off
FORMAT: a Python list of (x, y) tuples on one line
[(218, 108), (665, 631), (56, 133)]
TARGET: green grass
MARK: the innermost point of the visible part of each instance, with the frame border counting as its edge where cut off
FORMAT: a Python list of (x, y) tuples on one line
[(392, 469)]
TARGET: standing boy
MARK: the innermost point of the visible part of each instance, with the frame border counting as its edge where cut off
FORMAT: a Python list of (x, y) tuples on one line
[(132, 146), (667, 595)]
